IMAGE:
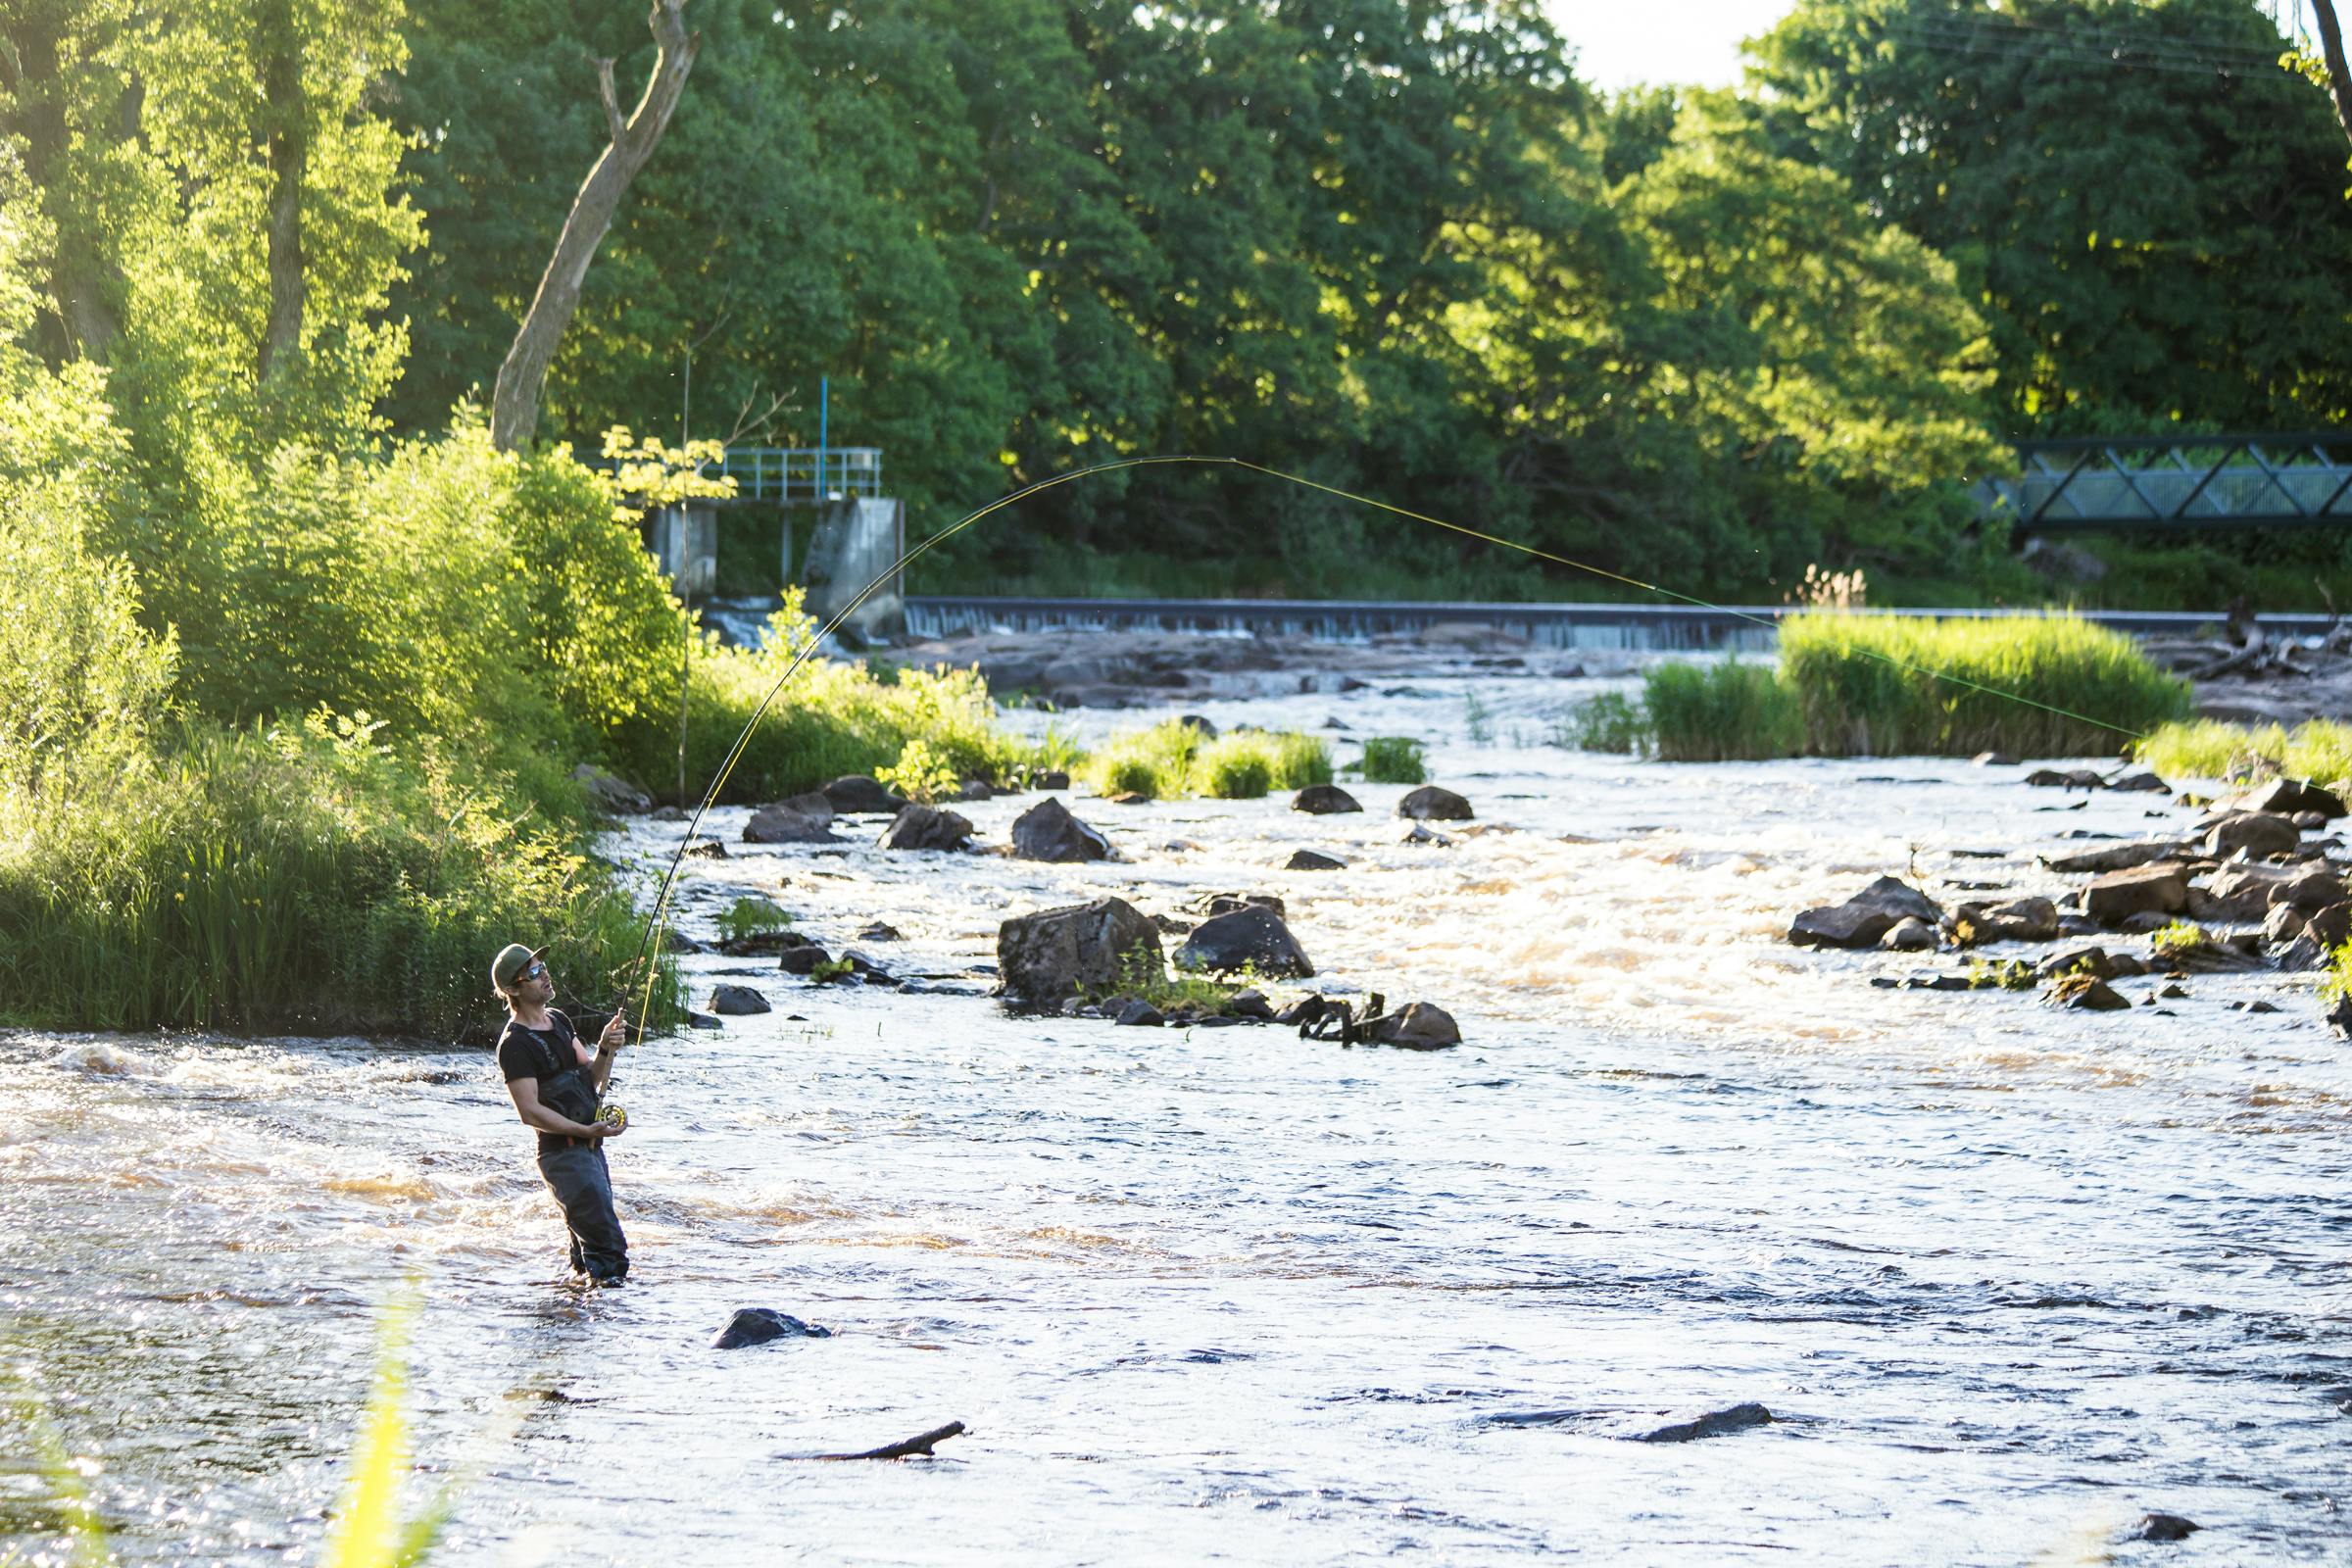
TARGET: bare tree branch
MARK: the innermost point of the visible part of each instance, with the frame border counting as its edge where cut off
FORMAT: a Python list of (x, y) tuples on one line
[(514, 402), (746, 425)]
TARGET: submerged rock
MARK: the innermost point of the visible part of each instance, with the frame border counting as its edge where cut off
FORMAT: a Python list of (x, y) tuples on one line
[(1047, 831), (1433, 804), (1861, 921), (1254, 938), (1140, 1013), (757, 1325), (1045, 957), (1311, 861), (1324, 799), (926, 827), (1714, 1424)]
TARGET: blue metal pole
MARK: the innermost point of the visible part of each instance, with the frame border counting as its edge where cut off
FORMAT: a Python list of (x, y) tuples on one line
[(824, 390)]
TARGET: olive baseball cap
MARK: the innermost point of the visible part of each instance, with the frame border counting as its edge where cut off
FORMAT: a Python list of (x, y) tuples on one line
[(511, 961)]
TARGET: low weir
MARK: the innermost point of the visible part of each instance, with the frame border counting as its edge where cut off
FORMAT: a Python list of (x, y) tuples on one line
[(1665, 628)]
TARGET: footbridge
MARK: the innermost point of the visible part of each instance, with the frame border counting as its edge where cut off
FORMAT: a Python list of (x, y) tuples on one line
[(2175, 483)]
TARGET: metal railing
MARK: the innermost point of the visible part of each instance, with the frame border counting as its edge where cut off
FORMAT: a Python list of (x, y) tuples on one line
[(804, 473), (2177, 482)]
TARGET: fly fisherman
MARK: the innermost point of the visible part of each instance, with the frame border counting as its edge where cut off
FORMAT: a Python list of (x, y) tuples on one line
[(556, 1084)]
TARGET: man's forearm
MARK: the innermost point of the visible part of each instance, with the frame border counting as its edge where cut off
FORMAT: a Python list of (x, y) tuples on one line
[(601, 1069), (554, 1122)]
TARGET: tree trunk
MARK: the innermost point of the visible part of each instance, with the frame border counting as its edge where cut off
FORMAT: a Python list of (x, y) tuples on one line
[(289, 151), (515, 404), (85, 326), (2332, 49)]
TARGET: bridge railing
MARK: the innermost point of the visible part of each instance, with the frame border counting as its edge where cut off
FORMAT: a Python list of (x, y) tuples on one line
[(804, 473), (2177, 482)]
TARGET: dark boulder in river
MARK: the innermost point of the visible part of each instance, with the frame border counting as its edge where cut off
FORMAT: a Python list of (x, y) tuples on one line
[(2165, 1527), (926, 827), (1310, 860), (1047, 831), (861, 792), (2287, 795), (737, 1001), (1045, 957), (1416, 1026), (1324, 799), (1432, 804), (1861, 921), (756, 1325), (803, 820), (1253, 938)]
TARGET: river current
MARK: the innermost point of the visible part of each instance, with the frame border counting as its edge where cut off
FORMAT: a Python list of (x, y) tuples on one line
[(2010, 1278)]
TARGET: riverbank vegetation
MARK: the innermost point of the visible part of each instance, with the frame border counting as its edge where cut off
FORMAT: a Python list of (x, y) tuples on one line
[(1850, 685), (2319, 750)]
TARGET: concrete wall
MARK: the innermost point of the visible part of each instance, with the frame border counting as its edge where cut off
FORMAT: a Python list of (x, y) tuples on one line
[(856, 541)]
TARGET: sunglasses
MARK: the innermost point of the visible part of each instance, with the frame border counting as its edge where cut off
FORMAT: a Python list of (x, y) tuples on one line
[(537, 971)]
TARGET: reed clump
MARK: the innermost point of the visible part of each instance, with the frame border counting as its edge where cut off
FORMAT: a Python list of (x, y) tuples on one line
[(2030, 685), (1719, 713), (1394, 759)]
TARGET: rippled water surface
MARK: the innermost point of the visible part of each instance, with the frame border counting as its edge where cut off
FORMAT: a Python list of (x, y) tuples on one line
[(2011, 1278)]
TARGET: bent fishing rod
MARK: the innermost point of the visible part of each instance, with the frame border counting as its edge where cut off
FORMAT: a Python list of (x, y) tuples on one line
[(658, 924)]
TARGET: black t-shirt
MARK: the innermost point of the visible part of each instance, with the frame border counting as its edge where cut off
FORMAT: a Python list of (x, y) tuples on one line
[(524, 1053), (543, 1055)]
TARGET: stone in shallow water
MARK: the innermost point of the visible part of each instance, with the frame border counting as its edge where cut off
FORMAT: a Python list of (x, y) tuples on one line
[(1714, 1424), (737, 1001), (756, 1325), (1310, 860)]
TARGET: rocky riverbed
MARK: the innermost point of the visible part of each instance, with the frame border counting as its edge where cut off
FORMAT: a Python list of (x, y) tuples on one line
[(1768, 1258)]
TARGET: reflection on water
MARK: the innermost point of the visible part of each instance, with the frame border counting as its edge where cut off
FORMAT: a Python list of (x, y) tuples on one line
[(2012, 1277)]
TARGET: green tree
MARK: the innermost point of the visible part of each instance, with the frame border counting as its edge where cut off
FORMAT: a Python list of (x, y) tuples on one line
[(2150, 208)]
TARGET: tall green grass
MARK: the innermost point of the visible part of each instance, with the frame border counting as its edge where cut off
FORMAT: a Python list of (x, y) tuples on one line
[(1172, 759), (2034, 686), (1721, 713), (301, 877), (2319, 749), (1394, 759)]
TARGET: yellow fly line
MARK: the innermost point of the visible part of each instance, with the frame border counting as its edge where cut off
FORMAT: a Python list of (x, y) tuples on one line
[(718, 781)]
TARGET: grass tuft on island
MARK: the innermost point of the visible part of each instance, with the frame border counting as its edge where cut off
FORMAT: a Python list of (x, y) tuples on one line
[(1857, 685), (1175, 759)]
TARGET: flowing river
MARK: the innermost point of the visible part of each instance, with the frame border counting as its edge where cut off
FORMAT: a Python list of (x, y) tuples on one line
[(2010, 1278)]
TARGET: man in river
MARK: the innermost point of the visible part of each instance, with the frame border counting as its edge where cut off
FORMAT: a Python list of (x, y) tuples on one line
[(556, 1085)]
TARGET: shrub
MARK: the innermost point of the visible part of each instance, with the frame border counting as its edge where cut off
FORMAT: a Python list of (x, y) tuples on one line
[(747, 917), (1394, 759), (920, 773), (2032, 685), (1720, 712)]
